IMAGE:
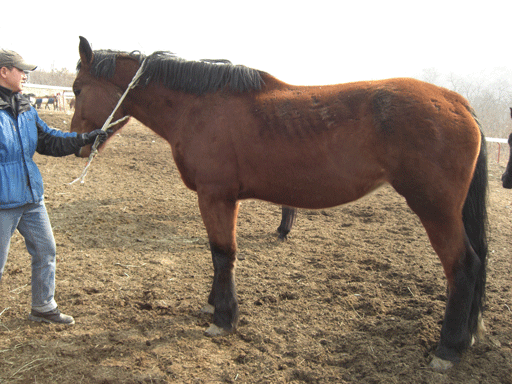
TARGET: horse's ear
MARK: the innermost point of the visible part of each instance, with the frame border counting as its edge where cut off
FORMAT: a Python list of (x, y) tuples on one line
[(85, 51)]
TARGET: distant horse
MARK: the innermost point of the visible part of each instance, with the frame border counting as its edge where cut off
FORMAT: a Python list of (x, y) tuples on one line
[(238, 133), (53, 102), (506, 178), (47, 101)]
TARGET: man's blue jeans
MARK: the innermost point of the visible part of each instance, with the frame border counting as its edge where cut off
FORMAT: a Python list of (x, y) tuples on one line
[(33, 223)]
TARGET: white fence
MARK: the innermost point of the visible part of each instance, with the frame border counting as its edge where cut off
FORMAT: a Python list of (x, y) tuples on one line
[(63, 94)]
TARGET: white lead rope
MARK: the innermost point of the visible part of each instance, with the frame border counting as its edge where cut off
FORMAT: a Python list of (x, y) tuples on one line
[(107, 124)]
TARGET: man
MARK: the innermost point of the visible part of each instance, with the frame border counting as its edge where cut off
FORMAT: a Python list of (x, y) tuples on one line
[(22, 132)]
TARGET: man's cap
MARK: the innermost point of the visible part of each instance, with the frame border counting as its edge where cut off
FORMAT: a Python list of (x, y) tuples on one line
[(13, 59)]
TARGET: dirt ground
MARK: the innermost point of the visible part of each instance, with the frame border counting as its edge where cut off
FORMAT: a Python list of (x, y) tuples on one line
[(355, 295)]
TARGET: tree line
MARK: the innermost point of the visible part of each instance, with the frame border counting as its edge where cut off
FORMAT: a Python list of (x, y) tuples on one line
[(489, 93), (56, 77)]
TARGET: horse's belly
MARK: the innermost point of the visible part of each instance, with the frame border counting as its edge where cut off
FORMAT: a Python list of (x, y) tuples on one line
[(313, 194)]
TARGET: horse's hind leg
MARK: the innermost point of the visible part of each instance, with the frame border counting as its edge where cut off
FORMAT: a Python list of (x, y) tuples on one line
[(456, 332), (287, 219), (219, 217), (461, 267)]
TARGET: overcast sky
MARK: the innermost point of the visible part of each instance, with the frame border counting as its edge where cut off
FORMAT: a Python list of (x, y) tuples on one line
[(308, 42)]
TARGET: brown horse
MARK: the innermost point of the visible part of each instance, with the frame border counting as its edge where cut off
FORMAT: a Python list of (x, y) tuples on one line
[(238, 133), (506, 178)]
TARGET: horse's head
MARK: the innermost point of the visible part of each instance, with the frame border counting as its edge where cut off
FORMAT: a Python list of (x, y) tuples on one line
[(95, 97)]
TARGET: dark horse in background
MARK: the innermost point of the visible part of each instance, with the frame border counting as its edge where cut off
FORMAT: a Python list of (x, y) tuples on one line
[(238, 133), (52, 100), (47, 101), (506, 179)]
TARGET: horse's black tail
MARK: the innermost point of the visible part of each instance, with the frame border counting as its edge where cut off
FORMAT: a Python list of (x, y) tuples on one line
[(475, 223)]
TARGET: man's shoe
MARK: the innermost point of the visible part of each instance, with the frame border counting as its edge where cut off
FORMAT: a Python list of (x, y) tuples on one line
[(52, 317)]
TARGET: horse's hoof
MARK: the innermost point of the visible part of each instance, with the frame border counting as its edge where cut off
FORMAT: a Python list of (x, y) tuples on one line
[(208, 308), (282, 236), (214, 331), (440, 365)]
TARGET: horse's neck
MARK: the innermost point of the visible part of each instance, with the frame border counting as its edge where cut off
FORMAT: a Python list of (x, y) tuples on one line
[(158, 109)]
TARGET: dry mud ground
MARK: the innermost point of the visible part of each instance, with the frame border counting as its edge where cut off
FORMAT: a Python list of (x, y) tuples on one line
[(356, 294)]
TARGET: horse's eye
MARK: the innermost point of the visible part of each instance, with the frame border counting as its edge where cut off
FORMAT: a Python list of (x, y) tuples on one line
[(76, 92)]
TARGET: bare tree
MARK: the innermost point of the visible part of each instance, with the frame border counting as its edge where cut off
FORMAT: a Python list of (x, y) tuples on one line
[(57, 77), (489, 94)]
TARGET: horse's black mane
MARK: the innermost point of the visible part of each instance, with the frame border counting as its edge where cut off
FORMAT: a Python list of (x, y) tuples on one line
[(179, 74)]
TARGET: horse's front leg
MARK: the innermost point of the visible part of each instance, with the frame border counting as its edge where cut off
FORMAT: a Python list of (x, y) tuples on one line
[(219, 216)]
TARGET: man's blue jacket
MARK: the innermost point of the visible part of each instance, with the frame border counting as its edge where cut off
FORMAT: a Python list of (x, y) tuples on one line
[(22, 133)]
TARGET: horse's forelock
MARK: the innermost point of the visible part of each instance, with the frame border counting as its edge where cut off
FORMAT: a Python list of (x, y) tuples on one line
[(104, 62)]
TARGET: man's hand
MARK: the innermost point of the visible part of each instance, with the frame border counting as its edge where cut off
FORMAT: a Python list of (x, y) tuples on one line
[(90, 137)]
